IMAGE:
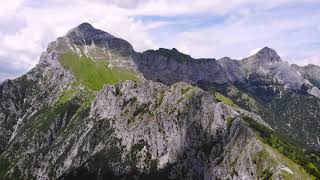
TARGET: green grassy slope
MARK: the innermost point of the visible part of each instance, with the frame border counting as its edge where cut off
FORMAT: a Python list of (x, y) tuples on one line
[(224, 99), (307, 159), (94, 74)]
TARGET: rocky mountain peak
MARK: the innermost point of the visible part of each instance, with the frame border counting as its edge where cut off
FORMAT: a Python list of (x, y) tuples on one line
[(173, 54), (85, 26), (85, 33), (267, 54), (225, 59), (91, 40)]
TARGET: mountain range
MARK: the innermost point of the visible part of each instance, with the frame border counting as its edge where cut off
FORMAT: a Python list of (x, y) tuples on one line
[(94, 108)]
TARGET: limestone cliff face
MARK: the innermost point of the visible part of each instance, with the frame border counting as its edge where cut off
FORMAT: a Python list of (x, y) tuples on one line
[(170, 66), (142, 130), (92, 109), (310, 72), (264, 77), (22, 97)]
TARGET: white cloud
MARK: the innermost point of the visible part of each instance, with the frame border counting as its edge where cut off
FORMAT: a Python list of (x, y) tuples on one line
[(9, 6), (290, 35), (129, 29), (254, 51), (312, 59), (177, 7)]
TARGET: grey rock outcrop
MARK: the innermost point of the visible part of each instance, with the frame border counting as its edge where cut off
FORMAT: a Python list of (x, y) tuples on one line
[(134, 128), (310, 72), (267, 63), (22, 97), (264, 78), (170, 66), (85, 34)]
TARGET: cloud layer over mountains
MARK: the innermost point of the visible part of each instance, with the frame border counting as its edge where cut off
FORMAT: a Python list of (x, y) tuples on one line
[(203, 28)]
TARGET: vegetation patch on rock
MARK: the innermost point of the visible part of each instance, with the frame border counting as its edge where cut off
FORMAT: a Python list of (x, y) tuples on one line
[(306, 158), (94, 74)]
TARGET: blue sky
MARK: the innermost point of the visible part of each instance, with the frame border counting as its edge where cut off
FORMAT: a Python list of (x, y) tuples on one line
[(202, 28)]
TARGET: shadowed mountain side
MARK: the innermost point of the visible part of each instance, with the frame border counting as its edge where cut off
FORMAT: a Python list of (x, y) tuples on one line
[(263, 77)]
